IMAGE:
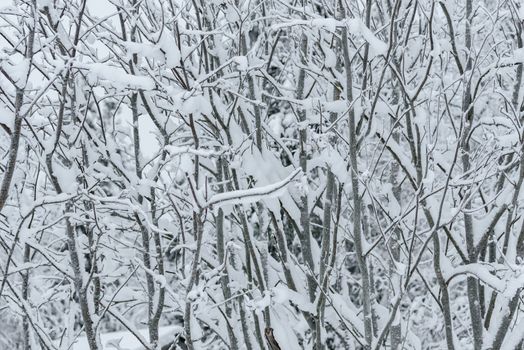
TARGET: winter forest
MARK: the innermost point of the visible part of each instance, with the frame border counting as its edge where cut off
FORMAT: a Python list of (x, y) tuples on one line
[(261, 174)]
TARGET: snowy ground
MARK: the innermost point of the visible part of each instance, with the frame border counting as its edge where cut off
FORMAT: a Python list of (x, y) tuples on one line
[(125, 340)]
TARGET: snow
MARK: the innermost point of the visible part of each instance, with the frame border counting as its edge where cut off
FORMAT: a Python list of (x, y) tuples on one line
[(99, 8), (196, 103), (355, 25), (67, 177), (518, 55), (514, 336), (282, 294), (6, 116), (117, 76), (328, 23), (241, 63), (201, 152), (482, 271), (336, 106), (377, 47), (251, 195), (18, 72), (143, 49), (126, 340), (206, 75), (330, 60), (165, 51)]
